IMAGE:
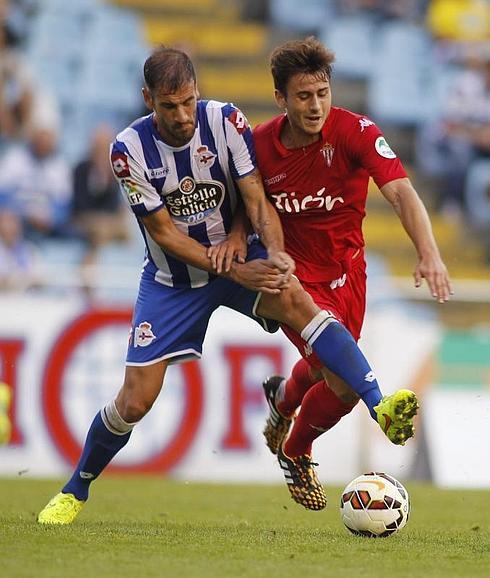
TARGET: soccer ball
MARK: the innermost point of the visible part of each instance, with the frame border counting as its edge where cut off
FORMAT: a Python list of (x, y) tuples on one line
[(374, 505)]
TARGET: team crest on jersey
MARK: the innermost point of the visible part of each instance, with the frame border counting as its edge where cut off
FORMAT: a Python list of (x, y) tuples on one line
[(143, 335), (239, 121), (195, 201), (327, 151), (364, 123), (120, 164), (204, 157), (383, 148)]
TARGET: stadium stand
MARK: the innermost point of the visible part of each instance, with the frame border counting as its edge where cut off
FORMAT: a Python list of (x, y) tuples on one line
[(352, 38), (90, 53)]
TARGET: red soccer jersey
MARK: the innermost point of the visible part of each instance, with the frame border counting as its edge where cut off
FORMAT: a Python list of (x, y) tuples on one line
[(320, 190)]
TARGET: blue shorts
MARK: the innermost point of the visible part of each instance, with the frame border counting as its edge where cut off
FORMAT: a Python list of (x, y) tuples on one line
[(171, 323)]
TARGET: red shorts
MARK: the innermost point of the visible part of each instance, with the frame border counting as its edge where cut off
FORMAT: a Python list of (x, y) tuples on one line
[(345, 298)]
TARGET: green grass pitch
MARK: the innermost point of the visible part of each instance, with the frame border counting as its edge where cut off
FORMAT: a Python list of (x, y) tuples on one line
[(151, 527)]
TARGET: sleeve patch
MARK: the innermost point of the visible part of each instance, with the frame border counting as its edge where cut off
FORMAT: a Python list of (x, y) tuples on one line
[(239, 121), (131, 190), (383, 148), (120, 164)]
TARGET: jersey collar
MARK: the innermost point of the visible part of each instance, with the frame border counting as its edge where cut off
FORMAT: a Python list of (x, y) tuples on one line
[(282, 119)]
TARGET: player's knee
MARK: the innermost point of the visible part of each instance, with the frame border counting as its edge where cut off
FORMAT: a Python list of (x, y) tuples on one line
[(133, 408), (132, 405), (349, 398), (343, 391), (297, 303)]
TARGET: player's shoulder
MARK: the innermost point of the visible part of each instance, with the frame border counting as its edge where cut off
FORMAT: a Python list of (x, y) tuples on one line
[(265, 129), (133, 131), (353, 121), (217, 107), (215, 111)]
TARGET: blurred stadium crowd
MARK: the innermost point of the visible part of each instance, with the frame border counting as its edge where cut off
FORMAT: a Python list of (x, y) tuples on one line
[(70, 78)]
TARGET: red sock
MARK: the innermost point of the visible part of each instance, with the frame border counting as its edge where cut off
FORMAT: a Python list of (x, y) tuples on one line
[(296, 387), (321, 409)]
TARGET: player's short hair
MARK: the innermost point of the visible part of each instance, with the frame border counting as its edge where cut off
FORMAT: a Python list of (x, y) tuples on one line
[(169, 69), (308, 56)]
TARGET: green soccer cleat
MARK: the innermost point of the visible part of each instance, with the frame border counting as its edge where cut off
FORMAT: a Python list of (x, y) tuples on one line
[(62, 509), (5, 423), (395, 415)]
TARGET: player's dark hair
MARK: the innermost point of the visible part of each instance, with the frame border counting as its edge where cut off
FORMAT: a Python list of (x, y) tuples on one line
[(308, 56), (168, 69)]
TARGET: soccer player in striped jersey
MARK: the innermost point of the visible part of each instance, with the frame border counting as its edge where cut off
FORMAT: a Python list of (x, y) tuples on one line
[(184, 169), (316, 160)]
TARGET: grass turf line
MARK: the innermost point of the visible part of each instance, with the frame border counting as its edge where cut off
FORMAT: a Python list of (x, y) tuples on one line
[(151, 527)]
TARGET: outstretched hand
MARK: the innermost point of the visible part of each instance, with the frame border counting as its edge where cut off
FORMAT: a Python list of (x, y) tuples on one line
[(435, 273)]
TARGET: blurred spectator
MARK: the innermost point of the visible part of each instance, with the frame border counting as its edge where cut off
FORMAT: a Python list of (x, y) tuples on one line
[(257, 10), (477, 196), (459, 20), (98, 213), (18, 258), (16, 88), (36, 179), (17, 14), (457, 25), (407, 10), (447, 146)]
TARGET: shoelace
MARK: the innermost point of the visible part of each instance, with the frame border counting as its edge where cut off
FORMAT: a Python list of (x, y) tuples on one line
[(307, 462)]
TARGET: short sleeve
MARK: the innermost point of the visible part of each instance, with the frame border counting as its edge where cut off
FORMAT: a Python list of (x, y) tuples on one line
[(239, 141), (141, 195), (373, 152)]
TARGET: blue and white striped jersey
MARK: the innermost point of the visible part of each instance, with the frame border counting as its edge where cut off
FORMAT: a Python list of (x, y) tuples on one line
[(195, 182)]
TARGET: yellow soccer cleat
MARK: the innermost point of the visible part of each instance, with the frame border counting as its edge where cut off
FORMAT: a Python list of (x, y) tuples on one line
[(62, 509), (395, 415), (5, 423)]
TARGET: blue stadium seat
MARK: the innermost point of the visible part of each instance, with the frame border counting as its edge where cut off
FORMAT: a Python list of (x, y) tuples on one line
[(304, 16), (61, 252), (352, 38), (401, 84), (90, 55), (476, 194)]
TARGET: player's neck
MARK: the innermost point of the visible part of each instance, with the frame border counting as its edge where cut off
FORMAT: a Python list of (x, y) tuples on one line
[(296, 139)]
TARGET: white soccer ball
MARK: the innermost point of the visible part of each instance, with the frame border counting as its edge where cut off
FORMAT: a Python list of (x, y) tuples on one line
[(374, 505)]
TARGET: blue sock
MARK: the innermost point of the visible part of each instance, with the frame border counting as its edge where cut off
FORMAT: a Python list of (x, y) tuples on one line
[(339, 352), (100, 447)]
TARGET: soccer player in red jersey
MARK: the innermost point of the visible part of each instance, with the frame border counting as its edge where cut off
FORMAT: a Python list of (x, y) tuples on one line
[(316, 160)]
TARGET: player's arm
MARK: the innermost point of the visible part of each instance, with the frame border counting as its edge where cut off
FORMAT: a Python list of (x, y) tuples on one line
[(258, 275), (265, 221), (415, 219), (147, 205), (234, 248)]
